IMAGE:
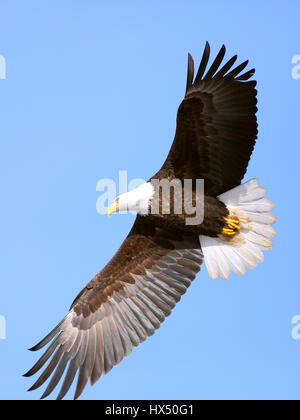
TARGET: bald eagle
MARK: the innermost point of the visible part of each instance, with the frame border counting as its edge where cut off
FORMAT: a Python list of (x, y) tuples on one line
[(130, 298)]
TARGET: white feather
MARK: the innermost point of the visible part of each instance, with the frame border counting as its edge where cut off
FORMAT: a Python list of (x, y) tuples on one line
[(232, 197), (252, 195), (257, 239), (261, 205), (224, 267), (233, 259), (266, 218), (208, 245), (246, 256), (263, 229), (255, 251)]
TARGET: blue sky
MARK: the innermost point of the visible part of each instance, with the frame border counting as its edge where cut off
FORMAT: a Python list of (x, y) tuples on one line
[(92, 88)]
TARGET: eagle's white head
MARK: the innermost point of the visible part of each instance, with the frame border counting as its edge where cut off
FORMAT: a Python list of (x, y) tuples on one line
[(138, 200)]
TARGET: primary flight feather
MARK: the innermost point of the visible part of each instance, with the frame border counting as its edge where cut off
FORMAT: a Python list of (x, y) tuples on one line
[(130, 298)]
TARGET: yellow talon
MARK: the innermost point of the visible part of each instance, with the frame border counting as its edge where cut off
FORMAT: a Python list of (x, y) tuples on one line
[(231, 220), (228, 232), (232, 227)]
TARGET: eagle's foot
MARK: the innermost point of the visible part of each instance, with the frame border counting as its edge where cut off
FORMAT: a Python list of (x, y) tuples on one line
[(232, 227)]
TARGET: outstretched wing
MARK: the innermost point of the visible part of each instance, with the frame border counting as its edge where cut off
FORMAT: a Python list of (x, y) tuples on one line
[(216, 125), (123, 305)]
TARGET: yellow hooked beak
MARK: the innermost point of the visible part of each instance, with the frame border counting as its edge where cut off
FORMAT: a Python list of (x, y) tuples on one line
[(113, 209)]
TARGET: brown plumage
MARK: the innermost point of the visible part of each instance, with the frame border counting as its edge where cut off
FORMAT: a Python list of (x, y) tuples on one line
[(217, 120), (130, 298)]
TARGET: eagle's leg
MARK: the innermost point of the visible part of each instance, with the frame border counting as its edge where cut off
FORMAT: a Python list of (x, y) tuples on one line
[(232, 226)]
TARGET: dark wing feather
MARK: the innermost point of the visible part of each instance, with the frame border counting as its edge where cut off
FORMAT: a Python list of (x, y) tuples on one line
[(123, 305), (216, 125)]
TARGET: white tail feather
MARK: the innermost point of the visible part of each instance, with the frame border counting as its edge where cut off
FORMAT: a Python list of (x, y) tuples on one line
[(247, 204)]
